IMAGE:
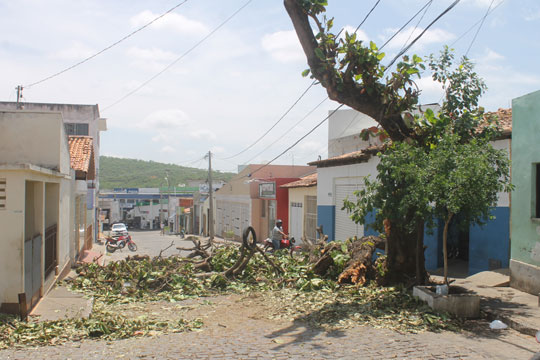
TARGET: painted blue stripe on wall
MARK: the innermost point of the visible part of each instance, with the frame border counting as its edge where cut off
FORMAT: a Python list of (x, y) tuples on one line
[(491, 241), (327, 218)]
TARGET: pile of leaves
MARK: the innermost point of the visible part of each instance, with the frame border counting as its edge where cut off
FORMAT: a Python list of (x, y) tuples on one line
[(102, 324), (381, 307), (298, 294)]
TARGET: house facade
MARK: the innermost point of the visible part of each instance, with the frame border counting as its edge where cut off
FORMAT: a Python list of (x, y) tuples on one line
[(255, 197), (525, 213), (79, 120), (482, 247), (36, 189), (303, 208)]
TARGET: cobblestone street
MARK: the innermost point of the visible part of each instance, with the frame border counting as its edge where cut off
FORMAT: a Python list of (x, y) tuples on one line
[(235, 328)]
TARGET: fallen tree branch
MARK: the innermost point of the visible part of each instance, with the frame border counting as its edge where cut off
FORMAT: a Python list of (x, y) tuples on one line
[(162, 250)]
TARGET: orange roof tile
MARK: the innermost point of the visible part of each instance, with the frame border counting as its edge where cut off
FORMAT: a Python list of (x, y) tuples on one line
[(81, 152), (504, 117), (306, 181)]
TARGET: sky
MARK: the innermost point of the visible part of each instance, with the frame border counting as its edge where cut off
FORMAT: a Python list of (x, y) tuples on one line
[(225, 85)]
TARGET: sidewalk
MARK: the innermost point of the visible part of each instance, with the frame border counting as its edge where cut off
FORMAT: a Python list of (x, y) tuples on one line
[(517, 309)]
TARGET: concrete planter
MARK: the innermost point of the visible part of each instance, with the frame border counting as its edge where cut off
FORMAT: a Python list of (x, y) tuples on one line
[(460, 302)]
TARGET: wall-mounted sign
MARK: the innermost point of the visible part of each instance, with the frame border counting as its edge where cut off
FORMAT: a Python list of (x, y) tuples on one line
[(267, 190)]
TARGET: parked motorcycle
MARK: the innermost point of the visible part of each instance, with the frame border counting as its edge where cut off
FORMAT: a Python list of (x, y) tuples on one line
[(286, 243), (114, 243)]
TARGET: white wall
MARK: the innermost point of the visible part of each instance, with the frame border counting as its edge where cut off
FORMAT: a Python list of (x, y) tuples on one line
[(11, 240), (33, 138), (326, 178)]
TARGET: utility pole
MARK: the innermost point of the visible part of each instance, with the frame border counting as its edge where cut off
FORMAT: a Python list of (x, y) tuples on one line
[(19, 96), (210, 192)]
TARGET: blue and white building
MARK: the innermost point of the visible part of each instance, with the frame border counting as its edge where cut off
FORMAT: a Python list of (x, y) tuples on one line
[(351, 159)]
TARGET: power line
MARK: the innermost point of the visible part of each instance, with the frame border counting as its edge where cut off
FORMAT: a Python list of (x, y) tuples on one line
[(478, 30), (404, 25), (418, 23), (108, 47), (179, 58), (365, 18), (273, 126), (292, 127), (297, 141), (476, 23), (403, 51)]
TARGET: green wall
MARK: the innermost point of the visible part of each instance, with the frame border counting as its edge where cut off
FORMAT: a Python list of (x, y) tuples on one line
[(525, 230)]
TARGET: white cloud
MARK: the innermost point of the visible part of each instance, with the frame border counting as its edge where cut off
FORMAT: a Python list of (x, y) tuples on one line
[(152, 54), (283, 46), (77, 51), (170, 119), (360, 34), (174, 22), (433, 36), (203, 134), (431, 90), (167, 149)]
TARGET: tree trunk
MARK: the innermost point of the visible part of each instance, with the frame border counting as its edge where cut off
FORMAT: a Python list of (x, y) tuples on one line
[(445, 246), (420, 261), (402, 246), (346, 92)]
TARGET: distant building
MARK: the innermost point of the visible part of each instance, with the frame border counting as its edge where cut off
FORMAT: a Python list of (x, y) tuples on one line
[(255, 197)]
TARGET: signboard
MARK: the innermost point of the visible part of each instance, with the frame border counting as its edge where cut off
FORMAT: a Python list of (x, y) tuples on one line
[(267, 190)]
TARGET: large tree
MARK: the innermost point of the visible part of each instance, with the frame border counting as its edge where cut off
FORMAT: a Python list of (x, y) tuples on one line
[(352, 74)]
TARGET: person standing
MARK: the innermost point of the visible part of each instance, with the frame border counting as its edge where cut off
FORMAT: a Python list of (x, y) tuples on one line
[(277, 234)]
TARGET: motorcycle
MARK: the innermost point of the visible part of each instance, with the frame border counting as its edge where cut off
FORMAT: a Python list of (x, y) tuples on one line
[(114, 243), (285, 243)]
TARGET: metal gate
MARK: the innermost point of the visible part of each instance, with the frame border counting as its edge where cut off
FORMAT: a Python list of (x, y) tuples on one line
[(32, 269), (310, 218), (345, 227), (296, 220)]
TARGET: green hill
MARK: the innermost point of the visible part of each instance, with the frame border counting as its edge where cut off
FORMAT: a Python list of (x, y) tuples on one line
[(126, 173)]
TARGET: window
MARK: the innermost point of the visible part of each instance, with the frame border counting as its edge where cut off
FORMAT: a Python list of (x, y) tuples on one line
[(2, 193), (263, 209), (76, 129), (537, 213)]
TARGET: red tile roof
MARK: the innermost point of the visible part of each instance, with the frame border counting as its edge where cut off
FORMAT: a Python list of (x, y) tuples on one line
[(306, 181), (504, 117), (81, 152)]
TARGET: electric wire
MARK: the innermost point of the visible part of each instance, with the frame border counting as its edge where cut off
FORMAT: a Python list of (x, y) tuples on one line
[(403, 51), (476, 23), (297, 141), (180, 57), (275, 124), (479, 27), (404, 25), (292, 127), (108, 47), (365, 18), (417, 24)]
